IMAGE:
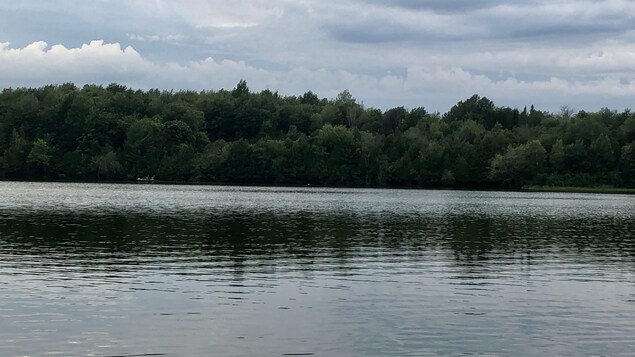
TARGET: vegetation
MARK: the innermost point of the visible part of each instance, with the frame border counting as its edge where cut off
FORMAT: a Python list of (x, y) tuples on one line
[(237, 136), (596, 189)]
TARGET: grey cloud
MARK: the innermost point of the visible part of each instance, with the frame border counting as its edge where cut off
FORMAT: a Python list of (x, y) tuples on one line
[(23, 27), (372, 33), (377, 25), (516, 21), (74, 22), (564, 31), (546, 23), (502, 49), (447, 6)]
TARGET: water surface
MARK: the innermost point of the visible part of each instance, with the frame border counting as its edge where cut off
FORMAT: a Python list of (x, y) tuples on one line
[(120, 270)]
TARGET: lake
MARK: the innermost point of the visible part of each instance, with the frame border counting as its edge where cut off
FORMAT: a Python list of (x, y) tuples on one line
[(167, 270)]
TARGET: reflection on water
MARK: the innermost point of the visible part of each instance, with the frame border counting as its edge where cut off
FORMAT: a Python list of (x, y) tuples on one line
[(112, 270)]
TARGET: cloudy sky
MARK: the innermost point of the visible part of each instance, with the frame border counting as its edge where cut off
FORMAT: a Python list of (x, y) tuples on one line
[(431, 53)]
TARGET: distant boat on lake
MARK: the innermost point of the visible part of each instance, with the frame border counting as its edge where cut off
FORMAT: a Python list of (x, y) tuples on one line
[(146, 179)]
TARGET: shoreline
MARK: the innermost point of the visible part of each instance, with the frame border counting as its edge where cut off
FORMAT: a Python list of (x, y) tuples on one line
[(526, 188), (569, 189)]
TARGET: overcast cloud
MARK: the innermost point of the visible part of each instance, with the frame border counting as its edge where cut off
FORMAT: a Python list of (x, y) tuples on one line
[(430, 53)]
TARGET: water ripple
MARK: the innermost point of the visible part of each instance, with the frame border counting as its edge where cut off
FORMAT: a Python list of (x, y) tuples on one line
[(132, 270)]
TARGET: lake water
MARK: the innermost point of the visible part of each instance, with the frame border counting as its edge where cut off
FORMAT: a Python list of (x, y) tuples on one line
[(161, 270)]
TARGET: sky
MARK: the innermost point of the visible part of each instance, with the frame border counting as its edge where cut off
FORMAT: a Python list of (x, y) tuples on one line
[(412, 53)]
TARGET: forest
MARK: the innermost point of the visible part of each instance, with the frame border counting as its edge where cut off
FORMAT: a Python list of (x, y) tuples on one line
[(113, 133)]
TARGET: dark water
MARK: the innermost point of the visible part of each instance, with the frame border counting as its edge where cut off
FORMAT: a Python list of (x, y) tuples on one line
[(121, 270)]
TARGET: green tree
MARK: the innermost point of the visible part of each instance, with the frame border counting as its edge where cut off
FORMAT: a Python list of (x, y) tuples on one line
[(480, 110), (107, 164), (239, 163), (557, 157), (447, 178), (519, 164), (144, 148), (627, 164), (601, 153), (394, 118), (15, 156), (238, 135), (349, 110), (39, 157), (341, 154), (179, 164)]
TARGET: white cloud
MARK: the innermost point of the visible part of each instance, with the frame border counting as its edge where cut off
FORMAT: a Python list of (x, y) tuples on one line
[(37, 63), (593, 58), (220, 14), (173, 38), (436, 82)]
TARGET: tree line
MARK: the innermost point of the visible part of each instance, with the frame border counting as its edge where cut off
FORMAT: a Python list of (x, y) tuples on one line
[(62, 132)]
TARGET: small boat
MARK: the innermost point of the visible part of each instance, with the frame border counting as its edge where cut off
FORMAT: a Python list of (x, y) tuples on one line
[(146, 179)]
